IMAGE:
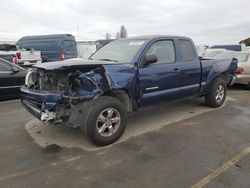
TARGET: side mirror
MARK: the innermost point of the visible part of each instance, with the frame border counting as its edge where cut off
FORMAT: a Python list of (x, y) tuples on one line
[(149, 59), (15, 70)]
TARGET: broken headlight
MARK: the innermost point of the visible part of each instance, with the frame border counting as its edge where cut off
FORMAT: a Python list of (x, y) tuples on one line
[(29, 79)]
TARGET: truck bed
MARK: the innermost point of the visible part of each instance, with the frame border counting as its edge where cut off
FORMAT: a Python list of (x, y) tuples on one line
[(213, 68)]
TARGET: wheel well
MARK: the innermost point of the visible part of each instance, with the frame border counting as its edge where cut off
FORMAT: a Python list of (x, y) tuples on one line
[(223, 76), (121, 95)]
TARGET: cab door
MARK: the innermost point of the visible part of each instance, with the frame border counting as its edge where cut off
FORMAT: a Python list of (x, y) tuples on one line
[(160, 81)]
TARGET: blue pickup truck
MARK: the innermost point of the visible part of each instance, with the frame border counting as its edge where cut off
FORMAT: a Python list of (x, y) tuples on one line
[(122, 77)]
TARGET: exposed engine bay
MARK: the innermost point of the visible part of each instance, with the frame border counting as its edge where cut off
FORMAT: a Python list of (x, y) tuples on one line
[(74, 85), (70, 83)]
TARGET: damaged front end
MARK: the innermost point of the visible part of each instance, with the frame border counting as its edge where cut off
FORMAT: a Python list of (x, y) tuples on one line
[(55, 95)]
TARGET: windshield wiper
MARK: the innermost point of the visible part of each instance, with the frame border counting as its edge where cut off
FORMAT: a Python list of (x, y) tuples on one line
[(108, 60)]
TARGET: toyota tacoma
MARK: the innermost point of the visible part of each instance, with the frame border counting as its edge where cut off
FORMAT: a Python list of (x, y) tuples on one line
[(123, 76)]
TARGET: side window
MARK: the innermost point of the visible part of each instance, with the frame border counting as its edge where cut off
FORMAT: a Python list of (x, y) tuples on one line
[(164, 51), (4, 66), (187, 51)]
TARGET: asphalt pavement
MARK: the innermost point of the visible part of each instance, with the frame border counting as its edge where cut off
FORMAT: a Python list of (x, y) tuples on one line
[(180, 145)]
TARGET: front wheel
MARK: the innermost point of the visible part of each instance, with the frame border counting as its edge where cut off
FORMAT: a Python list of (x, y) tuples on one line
[(217, 95), (105, 121)]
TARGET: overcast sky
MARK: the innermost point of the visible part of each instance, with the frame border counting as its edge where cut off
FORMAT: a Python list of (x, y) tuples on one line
[(206, 21)]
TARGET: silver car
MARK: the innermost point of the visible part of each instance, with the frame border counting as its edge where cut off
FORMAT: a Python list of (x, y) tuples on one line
[(243, 76)]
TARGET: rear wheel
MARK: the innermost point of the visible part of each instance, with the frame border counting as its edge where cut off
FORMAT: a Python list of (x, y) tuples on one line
[(105, 121), (217, 95)]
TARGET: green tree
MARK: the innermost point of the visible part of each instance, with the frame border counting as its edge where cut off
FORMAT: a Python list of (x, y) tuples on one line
[(246, 42)]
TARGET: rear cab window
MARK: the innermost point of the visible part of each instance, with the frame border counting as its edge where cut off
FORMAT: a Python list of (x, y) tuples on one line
[(186, 50)]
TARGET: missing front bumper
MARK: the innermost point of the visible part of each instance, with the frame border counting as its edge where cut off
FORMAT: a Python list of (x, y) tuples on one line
[(39, 103)]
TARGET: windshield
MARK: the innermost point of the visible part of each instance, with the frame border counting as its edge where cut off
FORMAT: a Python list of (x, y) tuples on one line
[(118, 50), (241, 56)]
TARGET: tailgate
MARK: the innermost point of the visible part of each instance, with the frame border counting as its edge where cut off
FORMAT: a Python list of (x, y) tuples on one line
[(30, 56)]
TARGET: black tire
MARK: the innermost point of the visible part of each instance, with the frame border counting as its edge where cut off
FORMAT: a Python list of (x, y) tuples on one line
[(211, 99), (90, 113)]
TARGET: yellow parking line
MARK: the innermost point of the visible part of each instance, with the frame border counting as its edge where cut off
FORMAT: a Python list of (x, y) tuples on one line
[(221, 169)]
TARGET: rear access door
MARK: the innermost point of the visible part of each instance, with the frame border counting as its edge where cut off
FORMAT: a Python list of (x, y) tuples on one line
[(190, 68)]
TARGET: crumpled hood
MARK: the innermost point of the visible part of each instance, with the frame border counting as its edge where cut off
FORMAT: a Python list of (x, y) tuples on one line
[(73, 63), (103, 75)]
